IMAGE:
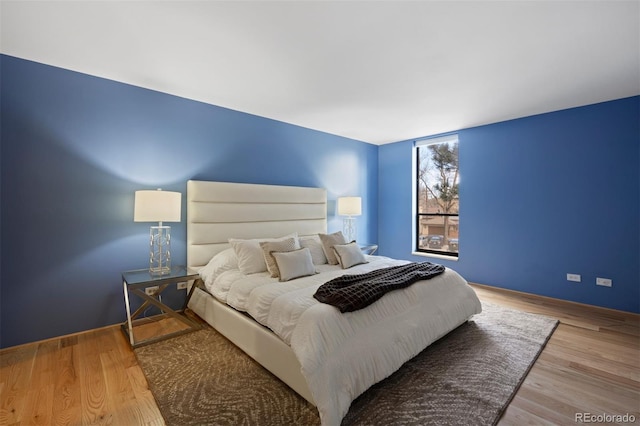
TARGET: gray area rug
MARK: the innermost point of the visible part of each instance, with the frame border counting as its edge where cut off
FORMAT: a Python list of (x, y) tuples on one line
[(466, 378)]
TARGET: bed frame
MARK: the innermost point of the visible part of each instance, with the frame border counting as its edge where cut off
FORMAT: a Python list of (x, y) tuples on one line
[(217, 211)]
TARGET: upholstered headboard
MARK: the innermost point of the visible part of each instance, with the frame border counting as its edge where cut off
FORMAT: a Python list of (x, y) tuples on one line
[(217, 211)]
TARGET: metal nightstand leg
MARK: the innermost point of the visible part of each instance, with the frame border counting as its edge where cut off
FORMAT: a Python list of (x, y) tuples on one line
[(126, 302)]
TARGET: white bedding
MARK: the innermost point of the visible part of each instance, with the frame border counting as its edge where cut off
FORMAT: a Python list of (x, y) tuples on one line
[(342, 355)]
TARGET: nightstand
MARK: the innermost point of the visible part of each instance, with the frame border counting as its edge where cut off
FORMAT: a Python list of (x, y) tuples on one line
[(369, 248), (136, 281)]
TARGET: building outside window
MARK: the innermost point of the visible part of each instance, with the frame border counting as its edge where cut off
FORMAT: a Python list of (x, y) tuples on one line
[(437, 200)]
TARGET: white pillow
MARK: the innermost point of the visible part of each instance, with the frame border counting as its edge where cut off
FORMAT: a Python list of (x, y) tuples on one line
[(313, 243), (294, 264), (328, 241), (268, 247), (249, 253), (223, 261), (349, 255)]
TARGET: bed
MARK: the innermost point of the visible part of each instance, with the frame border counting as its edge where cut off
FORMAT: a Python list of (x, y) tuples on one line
[(327, 357)]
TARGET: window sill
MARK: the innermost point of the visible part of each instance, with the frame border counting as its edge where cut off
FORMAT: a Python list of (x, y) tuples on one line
[(436, 256)]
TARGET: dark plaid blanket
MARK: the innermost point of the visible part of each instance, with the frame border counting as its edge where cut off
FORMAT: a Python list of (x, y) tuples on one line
[(352, 292)]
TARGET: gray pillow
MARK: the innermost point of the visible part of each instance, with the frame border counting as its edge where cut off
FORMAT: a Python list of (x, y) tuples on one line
[(268, 247), (294, 264), (349, 255), (328, 241)]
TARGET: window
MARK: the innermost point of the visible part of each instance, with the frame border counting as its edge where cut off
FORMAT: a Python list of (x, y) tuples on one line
[(437, 222)]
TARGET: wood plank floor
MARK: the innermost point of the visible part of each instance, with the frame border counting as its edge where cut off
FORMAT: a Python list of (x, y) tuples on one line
[(590, 365)]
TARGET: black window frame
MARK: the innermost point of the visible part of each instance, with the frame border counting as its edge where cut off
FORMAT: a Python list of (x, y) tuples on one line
[(424, 143)]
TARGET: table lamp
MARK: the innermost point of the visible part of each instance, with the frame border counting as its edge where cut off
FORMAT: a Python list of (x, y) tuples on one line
[(158, 206), (349, 207)]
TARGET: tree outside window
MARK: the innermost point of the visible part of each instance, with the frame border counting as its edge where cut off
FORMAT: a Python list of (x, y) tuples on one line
[(437, 177)]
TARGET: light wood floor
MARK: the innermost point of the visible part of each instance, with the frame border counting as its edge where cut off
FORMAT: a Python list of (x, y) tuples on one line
[(590, 365)]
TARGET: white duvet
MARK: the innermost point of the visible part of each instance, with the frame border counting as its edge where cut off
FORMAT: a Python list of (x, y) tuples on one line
[(342, 355)]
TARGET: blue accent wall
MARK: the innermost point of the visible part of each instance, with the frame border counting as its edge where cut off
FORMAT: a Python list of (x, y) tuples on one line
[(540, 197), (74, 149)]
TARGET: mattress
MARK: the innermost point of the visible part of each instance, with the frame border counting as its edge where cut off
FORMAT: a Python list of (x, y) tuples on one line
[(342, 355)]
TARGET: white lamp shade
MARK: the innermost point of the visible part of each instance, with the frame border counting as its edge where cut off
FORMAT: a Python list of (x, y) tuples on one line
[(157, 206), (349, 206)]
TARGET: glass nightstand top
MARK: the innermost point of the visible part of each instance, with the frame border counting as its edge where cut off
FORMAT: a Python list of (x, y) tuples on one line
[(368, 248), (143, 276)]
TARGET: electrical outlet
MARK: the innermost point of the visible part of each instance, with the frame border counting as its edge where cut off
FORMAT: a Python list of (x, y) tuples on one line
[(605, 282), (182, 285), (151, 290), (574, 277)]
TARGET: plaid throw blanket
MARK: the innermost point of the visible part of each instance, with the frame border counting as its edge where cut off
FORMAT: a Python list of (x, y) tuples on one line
[(352, 292)]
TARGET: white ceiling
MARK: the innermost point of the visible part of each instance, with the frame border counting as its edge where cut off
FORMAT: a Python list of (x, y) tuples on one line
[(375, 71)]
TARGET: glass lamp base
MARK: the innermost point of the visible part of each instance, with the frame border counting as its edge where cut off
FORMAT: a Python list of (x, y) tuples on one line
[(160, 250), (349, 229), (166, 270)]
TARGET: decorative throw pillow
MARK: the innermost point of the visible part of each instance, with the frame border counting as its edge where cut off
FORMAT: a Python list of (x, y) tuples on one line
[(328, 241), (349, 255), (249, 253), (313, 243), (268, 247), (294, 264)]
